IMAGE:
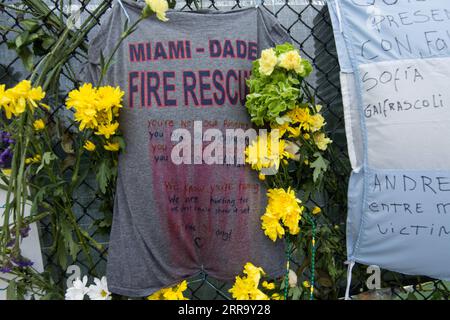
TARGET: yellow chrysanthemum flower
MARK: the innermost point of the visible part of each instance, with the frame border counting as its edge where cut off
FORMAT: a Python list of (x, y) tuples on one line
[(241, 288), (96, 108), (176, 293), (254, 273), (89, 145), (316, 210), (268, 286), (291, 222), (288, 207), (294, 132), (159, 7), (39, 124), (107, 130), (109, 97), (316, 122), (158, 295), (86, 118), (4, 97), (246, 288), (257, 294), (24, 90), (5, 101), (84, 101), (15, 100), (282, 128), (305, 120), (322, 141), (266, 152), (291, 60), (272, 226), (173, 293), (112, 146), (282, 206), (257, 153), (82, 98), (268, 61)]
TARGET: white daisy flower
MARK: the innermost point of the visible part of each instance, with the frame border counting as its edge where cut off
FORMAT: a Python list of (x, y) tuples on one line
[(78, 289), (99, 290)]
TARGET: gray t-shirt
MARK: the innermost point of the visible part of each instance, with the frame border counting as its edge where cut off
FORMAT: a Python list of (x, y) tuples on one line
[(173, 221)]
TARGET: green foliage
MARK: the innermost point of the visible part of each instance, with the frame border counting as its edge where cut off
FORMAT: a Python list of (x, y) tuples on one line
[(271, 99), (283, 48), (272, 96), (49, 182)]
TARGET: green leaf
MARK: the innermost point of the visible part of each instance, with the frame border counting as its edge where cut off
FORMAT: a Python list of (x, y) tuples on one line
[(47, 42), (285, 47), (307, 67), (29, 24), (283, 284), (33, 37), (103, 175), (296, 293), (43, 192), (69, 243), (74, 248), (46, 159), (26, 56), (320, 165), (11, 45), (121, 142), (22, 39)]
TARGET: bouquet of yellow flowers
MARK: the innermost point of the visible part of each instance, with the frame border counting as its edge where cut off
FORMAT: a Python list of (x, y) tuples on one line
[(34, 171), (291, 157), (44, 162), (96, 110)]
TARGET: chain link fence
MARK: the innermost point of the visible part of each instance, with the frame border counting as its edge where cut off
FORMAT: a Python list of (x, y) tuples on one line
[(308, 23)]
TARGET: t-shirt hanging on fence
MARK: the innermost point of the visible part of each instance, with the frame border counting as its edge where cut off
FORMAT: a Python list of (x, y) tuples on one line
[(395, 76), (172, 221)]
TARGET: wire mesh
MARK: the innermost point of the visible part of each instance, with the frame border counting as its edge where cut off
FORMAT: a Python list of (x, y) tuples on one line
[(308, 23)]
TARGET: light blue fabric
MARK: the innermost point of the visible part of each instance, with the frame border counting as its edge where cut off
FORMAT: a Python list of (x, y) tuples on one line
[(358, 20), (398, 211)]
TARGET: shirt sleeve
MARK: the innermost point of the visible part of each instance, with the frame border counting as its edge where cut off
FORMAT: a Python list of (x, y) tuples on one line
[(270, 31), (107, 34)]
